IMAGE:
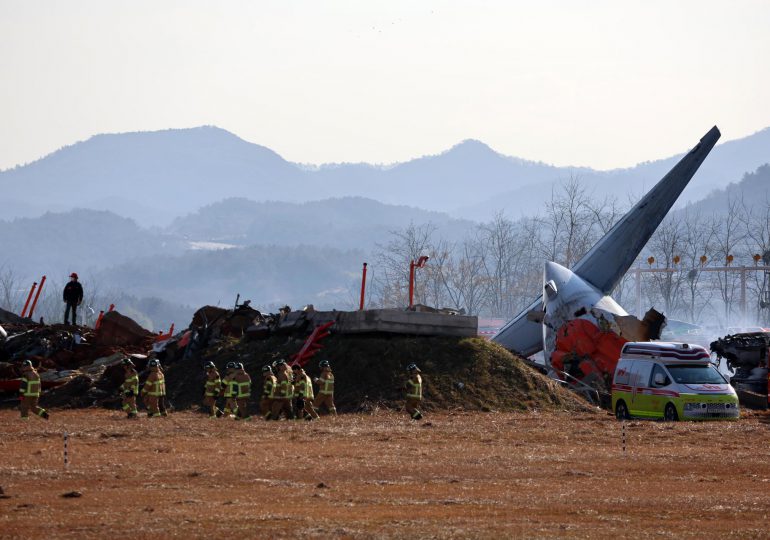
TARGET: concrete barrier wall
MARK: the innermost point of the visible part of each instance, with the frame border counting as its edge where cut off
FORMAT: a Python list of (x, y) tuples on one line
[(396, 321)]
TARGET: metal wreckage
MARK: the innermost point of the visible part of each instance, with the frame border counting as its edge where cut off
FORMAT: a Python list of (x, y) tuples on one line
[(575, 322)]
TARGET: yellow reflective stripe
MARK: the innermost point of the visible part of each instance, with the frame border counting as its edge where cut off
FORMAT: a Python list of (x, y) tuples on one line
[(231, 388), (155, 388), (131, 383), (328, 386), (416, 391), (269, 388), (241, 391)]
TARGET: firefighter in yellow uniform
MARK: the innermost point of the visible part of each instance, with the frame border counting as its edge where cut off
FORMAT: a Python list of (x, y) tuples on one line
[(282, 400), (325, 388), (154, 388), (130, 388), (413, 392), (162, 398), (230, 390), (243, 392), (303, 392), (29, 392), (269, 385), (212, 391)]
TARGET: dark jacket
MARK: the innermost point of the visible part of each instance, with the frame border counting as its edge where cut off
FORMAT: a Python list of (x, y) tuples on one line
[(73, 292)]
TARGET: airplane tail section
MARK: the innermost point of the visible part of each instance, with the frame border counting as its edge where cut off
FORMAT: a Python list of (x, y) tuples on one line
[(611, 257)]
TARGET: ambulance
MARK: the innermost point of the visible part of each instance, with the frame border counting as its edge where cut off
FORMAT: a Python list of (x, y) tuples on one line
[(670, 381)]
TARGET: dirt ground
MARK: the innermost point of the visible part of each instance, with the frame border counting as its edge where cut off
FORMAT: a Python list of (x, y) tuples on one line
[(465, 475)]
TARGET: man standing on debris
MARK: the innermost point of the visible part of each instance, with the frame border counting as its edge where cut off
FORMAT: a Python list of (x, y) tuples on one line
[(130, 388), (243, 392), (73, 296), (303, 390), (154, 388), (231, 390), (268, 392), (213, 388), (29, 392), (325, 388), (413, 388), (282, 401)]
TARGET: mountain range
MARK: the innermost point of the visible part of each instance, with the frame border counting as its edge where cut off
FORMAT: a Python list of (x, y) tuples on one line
[(156, 177)]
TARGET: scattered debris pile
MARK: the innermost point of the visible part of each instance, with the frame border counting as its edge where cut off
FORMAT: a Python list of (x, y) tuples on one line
[(748, 356), (80, 367)]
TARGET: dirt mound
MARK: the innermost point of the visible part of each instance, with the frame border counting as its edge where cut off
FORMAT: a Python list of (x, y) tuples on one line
[(465, 373)]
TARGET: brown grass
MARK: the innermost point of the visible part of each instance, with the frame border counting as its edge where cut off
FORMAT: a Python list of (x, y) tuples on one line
[(464, 475)]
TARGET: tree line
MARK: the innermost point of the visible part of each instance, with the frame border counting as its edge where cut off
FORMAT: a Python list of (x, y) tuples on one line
[(496, 271)]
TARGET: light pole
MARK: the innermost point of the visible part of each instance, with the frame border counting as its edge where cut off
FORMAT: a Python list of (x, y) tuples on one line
[(412, 266)]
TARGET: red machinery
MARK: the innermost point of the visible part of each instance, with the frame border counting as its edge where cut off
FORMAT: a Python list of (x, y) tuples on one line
[(312, 344)]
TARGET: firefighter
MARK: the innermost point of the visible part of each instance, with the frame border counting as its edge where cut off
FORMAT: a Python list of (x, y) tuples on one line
[(212, 391), (282, 400), (268, 392), (303, 391), (290, 387), (154, 388), (162, 398), (325, 388), (243, 392), (130, 388), (29, 392), (231, 390), (413, 388)]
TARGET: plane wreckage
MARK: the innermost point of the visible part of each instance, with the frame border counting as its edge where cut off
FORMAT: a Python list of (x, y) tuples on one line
[(575, 322)]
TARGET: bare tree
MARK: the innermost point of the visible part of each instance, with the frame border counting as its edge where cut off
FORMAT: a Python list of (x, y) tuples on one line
[(464, 278), (667, 243), (497, 252), (696, 242), (727, 236), (11, 290), (391, 284), (756, 223)]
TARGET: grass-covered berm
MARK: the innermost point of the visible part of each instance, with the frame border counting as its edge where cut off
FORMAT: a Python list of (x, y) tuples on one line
[(370, 371)]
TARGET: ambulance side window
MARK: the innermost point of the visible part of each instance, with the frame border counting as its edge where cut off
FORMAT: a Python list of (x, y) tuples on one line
[(660, 374), (623, 373)]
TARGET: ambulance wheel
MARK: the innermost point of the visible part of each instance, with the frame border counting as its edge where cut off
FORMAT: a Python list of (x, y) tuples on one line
[(621, 411), (670, 414)]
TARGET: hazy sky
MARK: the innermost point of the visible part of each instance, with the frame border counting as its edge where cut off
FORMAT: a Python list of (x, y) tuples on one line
[(599, 83)]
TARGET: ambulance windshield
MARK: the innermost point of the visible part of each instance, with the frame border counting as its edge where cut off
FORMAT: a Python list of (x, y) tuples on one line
[(695, 374)]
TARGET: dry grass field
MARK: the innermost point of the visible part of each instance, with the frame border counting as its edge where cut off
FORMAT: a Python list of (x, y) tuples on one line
[(463, 475)]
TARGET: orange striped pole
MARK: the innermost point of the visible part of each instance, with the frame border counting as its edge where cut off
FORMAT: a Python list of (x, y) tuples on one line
[(29, 297), (34, 302)]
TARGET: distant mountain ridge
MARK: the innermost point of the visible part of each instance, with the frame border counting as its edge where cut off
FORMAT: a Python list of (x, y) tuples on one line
[(158, 176), (344, 223)]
